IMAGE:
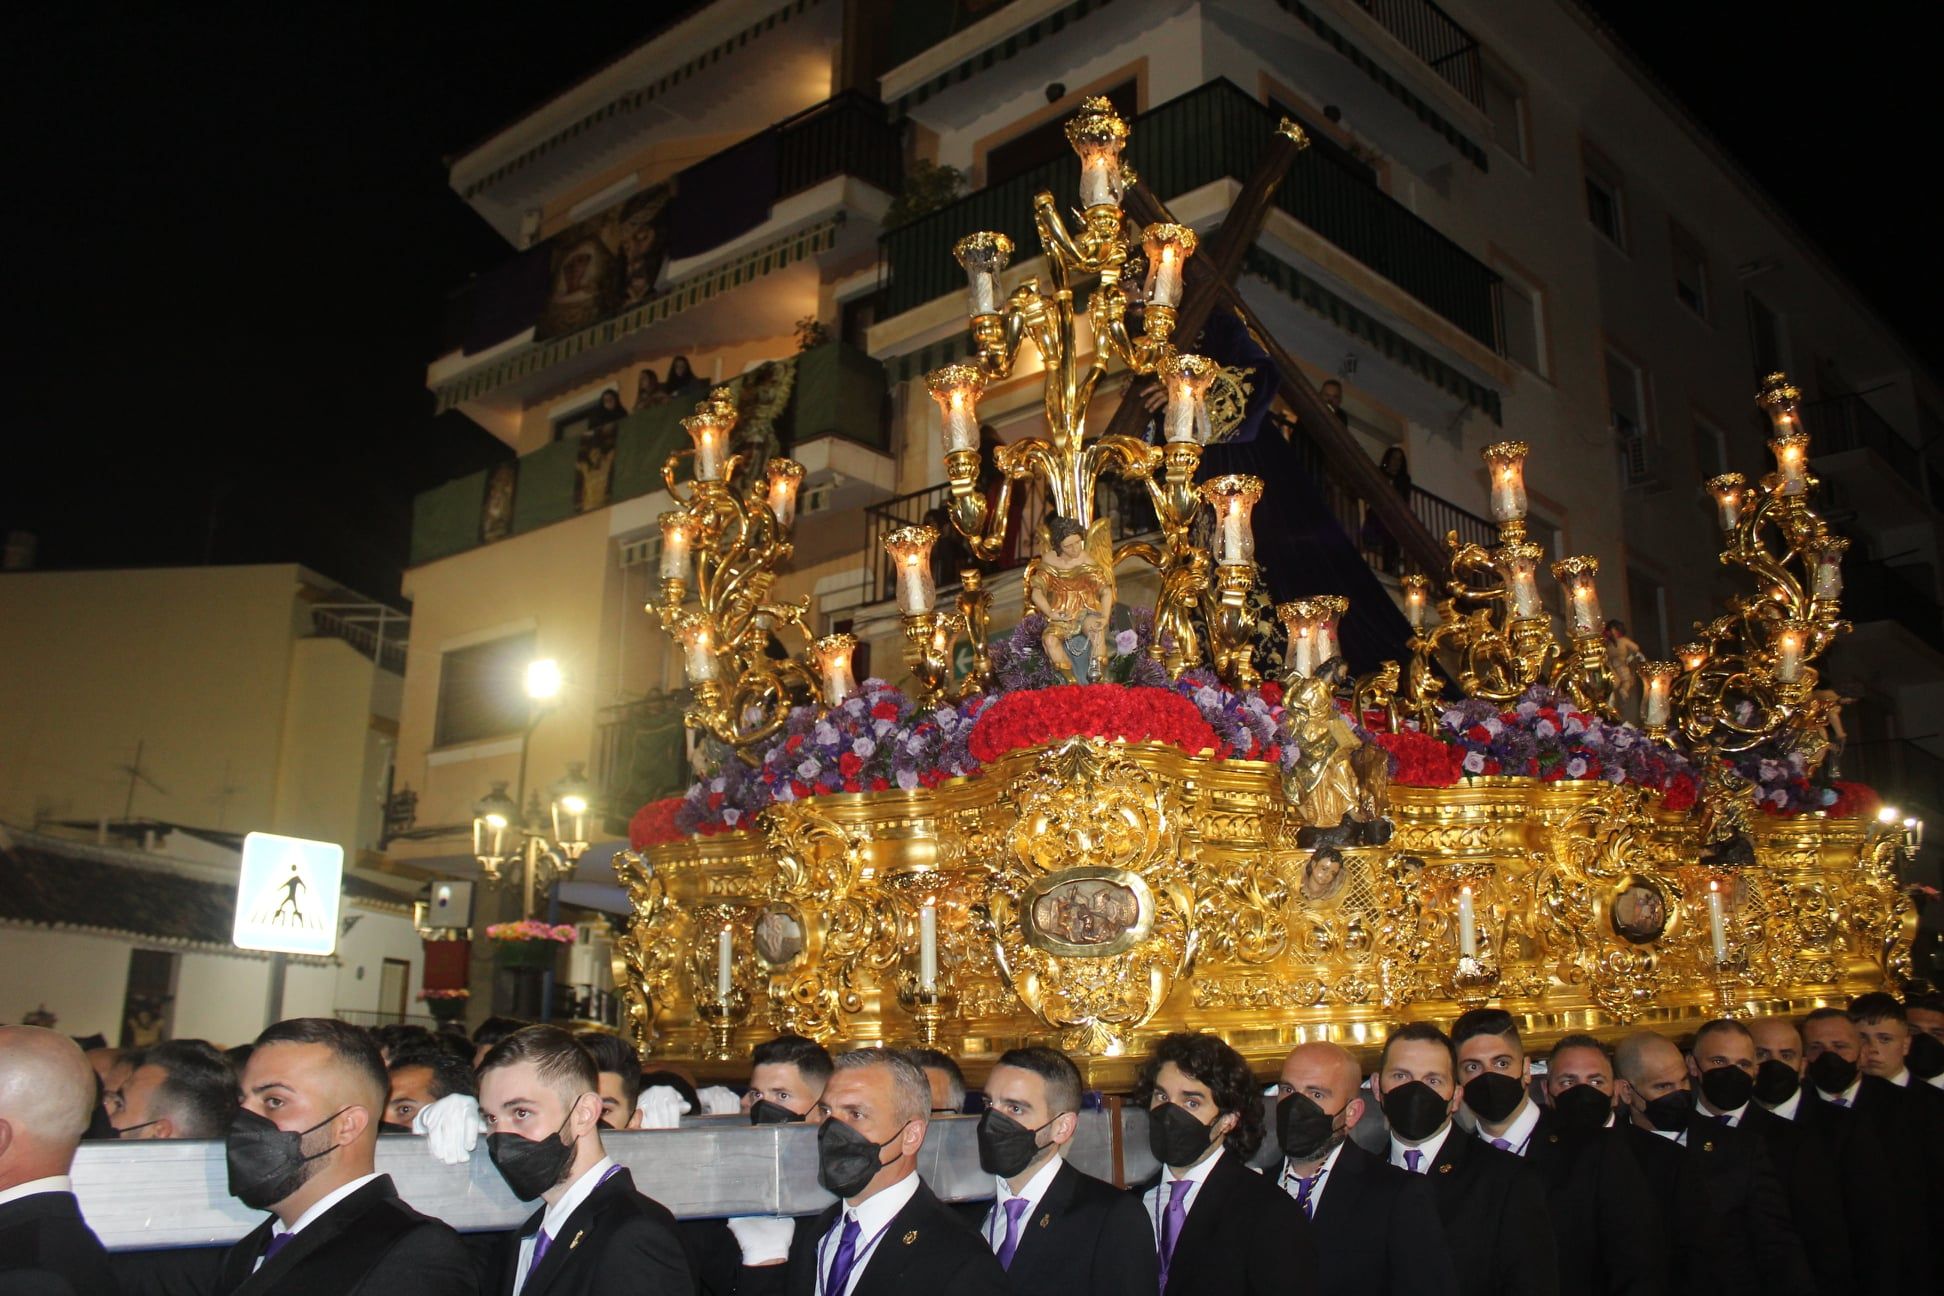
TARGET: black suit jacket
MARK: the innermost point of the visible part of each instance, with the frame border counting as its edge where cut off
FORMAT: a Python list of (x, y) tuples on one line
[(369, 1244), (45, 1246), (1725, 1212), (1495, 1220), (615, 1241), (1084, 1238), (1376, 1232), (1834, 1181), (1606, 1229), (1244, 1237), (1904, 1126), (926, 1249)]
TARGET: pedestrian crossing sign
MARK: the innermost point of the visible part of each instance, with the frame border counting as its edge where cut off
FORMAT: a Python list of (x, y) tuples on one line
[(287, 895)]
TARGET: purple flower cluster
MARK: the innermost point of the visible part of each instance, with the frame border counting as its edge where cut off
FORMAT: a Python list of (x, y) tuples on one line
[(1781, 780), (1543, 735), (1247, 723), (1019, 659)]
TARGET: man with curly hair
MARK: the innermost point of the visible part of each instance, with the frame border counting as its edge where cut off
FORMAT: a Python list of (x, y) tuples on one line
[(1219, 1227)]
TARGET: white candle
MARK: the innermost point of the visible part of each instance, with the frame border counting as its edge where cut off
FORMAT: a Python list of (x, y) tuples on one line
[(677, 532), (1416, 605), (1467, 925), (1100, 181), (928, 947), (1716, 928), (708, 452), (1302, 650), (1829, 570), (1788, 654), (722, 964), (1654, 701), (698, 654), (916, 590), (1525, 590), (1167, 278), (1586, 609)]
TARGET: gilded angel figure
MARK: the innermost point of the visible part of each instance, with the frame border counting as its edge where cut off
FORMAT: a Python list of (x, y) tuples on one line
[(1071, 584)]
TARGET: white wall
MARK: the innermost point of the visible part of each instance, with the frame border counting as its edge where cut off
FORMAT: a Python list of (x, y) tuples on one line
[(363, 951), (81, 979)]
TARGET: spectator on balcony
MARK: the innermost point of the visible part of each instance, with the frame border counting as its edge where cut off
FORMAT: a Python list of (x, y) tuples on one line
[(1332, 393), (1396, 468), (682, 383), (610, 410), (648, 389)]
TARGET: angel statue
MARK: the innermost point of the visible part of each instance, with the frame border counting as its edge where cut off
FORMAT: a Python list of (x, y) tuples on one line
[(1071, 584)]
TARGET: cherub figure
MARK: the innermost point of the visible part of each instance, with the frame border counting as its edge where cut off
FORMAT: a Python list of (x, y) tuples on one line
[(1071, 584)]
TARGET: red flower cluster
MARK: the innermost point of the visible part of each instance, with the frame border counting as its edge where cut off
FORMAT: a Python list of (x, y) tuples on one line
[(1033, 717), (654, 824), (1680, 793), (1422, 761), (1853, 801)]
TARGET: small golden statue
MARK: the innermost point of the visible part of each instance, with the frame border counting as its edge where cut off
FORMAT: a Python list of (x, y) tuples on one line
[(1071, 584)]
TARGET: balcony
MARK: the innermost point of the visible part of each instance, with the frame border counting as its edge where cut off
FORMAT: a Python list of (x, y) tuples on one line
[(1436, 38), (1213, 133), (1865, 458), (640, 755), (837, 394)]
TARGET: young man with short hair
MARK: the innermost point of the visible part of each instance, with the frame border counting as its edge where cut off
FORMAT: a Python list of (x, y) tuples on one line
[(539, 1095), (421, 1074), (946, 1080), (620, 1076), (179, 1089)]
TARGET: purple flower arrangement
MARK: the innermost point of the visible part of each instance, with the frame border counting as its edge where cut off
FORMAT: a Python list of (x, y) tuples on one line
[(1544, 736), (1247, 723), (1781, 781)]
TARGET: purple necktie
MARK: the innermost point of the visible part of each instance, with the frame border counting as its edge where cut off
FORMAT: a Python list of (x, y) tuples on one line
[(845, 1259), (1014, 1209), (1840, 1102), (1171, 1222), (1411, 1158), (1305, 1185), (278, 1241), (540, 1244), (1503, 1145)]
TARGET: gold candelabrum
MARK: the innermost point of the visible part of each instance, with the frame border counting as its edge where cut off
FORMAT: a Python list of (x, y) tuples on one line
[(1492, 626), (1747, 679)]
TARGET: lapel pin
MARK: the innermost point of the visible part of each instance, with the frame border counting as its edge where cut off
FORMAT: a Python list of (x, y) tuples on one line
[(911, 1237), (1708, 1146), (1045, 1220), (1445, 1168)]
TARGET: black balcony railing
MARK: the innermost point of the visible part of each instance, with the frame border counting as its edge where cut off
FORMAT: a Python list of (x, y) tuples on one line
[(1212, 133), (1849, 423), (1876, 591), (1434, 36), (847, 135)]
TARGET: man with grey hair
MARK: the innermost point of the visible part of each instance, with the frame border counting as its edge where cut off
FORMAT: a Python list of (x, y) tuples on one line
[(887, 1233), (47, 1094)]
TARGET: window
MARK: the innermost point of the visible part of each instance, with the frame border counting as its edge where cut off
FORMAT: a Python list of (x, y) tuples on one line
[(1525, 325), (1047, 142), (1505, 104), (482, 690), (1690, 273), (1765, 338), (1710, 447), (1606, 205), (1626, 397)]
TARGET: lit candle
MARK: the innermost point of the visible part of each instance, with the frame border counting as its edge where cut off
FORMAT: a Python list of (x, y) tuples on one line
[(1334, 607), (982, 256), (678, 533), (1417, 600), (1521, 566), (707, 429), (1829, 568), (1693, 656), (785, 478), (956, 388), (1727, 490), (1914, 833), (1716, 927), (1233, 497), (910, 550), (1098, 134), (723, 957), (1467, 924), (1790, 443), (1657, 685), (698, 649), (1186, 378), (1168, 246), (1506, 461), (1578, 575), (928, 947), (1300, 619), (1790, 639), (833, 657)]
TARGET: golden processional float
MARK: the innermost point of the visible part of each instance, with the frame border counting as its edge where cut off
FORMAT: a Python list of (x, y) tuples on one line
[(1193, 817)]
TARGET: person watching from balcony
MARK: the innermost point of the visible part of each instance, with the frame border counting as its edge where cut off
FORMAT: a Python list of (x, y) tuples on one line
[(610, 410), (648, 389), (1332, 393), (681, 380)]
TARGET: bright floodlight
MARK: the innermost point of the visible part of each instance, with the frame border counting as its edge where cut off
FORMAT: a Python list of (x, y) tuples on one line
[(1889, 815), (543, 680)]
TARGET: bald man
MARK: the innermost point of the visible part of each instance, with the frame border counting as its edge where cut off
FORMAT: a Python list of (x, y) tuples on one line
[(47, 1094), (1377, 1228), (302, 1148), (1727, 1219)]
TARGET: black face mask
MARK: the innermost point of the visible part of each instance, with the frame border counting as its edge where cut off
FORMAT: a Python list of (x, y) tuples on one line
[(267, 1164), (1005, 1146), (765, 1112), (1831, 1072), (1582, 1109), (1776, 1082), (1727, 1088), (1304, 1131), (847, 1161), (124, 1133), (1926, 1056), (1415, 1111), (1670, 1112), (531, 1166), (1493, 1095), (1174, 1135)]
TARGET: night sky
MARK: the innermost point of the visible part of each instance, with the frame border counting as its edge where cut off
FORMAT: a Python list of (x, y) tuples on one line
[(232, 241)]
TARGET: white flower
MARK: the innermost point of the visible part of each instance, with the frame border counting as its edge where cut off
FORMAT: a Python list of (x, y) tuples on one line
[(730, 815), (807, 770), (863, 748), (1126, 642), (908, 779)]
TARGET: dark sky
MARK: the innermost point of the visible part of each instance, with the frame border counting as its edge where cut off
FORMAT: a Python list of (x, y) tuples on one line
[(232, 237)]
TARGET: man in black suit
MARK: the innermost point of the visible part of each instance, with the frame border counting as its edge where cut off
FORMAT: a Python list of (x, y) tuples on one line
[(1726, 1214), (47, 1096), (1377, 1228), (539, 1095), (1055, 1230), (1885, 1030), (620, 1075), (1492, 1206), (1219, 1227), (1925, 1013), (421, 1074), (946, 1080), (302, 1148), (888, 1234)]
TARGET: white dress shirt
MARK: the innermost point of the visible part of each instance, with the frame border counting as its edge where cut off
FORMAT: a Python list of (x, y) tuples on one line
[(1901, 1079), (316, 1211), (557, 1216), (1293, 1188), (1519, 1133), (34, 1187), (1034, 1189), (1937, 1081), (1729, 1118), (1789, 1106), (873, 1215), (1156, 1198), (1429, 1147)]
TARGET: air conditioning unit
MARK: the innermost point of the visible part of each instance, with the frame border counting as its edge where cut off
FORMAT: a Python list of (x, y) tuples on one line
[(817, 498), (1640, 462)]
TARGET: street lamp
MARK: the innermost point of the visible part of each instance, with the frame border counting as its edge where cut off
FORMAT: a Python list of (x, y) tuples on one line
[(543, 680), (493, 830), (572, 799)]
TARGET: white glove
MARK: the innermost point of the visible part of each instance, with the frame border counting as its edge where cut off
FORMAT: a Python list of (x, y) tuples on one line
[(660, 1107), (718, 1101), (451, 1126), (764, 1239)]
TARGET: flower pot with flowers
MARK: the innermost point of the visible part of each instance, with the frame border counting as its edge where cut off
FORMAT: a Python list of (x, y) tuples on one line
[(445, 1005), (529, 943)]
